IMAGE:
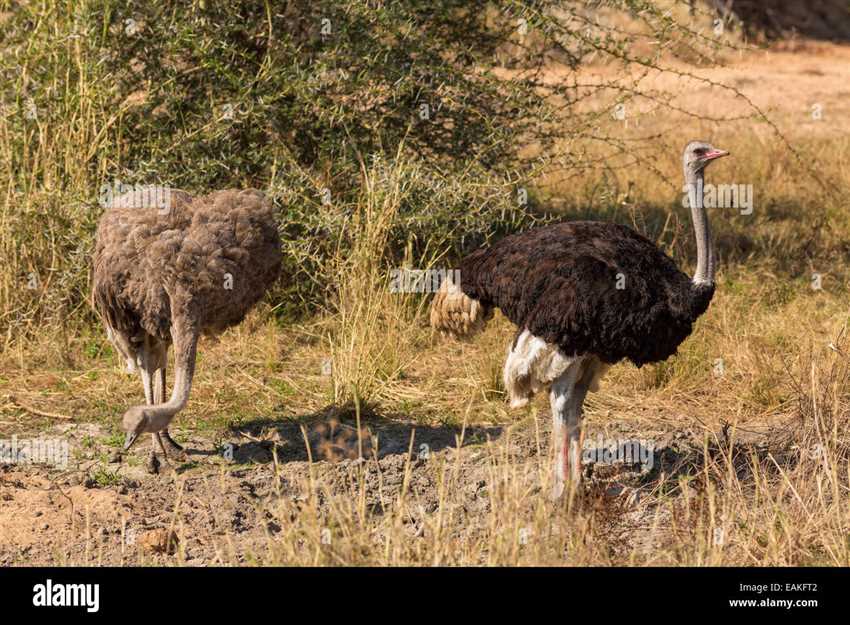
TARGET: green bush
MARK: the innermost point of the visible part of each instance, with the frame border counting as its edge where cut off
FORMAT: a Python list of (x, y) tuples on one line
[(287, 97)]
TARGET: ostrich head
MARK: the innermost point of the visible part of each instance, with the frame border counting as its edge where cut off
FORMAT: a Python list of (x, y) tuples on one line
[(698, 154), (136, 421)]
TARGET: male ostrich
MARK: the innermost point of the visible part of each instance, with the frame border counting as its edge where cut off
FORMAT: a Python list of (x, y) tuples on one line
[(584, 295), (167, 276)]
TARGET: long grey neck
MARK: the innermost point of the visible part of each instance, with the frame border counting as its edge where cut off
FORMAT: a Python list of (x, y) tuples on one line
[(705, 246), (185, 350), (162, 414)]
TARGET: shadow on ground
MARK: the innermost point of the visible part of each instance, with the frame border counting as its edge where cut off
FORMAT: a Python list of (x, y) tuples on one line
[(332, 434)]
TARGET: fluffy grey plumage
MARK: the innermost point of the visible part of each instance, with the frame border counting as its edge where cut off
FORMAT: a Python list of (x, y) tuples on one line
[(165, 276)]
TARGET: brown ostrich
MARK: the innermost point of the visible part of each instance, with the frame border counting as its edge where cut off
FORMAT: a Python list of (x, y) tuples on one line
[(166, 275), (584, 295)]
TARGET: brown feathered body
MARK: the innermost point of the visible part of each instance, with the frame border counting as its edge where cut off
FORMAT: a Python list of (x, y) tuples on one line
[(207, 259)]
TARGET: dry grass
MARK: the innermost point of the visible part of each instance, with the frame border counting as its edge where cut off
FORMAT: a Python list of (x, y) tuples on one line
[(759, 475), (370, 340)]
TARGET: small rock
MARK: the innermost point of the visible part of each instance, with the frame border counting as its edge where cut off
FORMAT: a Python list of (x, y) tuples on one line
[(158, 540)]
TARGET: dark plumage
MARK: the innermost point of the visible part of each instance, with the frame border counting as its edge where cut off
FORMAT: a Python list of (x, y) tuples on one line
[(167, 275), (589, 287), (583, 295)]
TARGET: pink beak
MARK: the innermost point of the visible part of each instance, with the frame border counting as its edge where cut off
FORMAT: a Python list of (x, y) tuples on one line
[(715, 154)]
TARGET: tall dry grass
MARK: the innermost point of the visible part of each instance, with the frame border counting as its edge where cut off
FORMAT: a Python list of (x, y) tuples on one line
[(52, 157), (370, 340), (405, 221), (731, 501)]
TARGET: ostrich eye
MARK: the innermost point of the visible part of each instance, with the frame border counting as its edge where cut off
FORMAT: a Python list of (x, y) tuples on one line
[(699, 151)]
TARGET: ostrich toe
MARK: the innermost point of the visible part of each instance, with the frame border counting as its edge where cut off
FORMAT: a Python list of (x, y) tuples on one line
[(171, 447), (152, 465)]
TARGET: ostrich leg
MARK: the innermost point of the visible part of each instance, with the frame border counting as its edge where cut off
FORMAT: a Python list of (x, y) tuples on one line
[(156, 418), (146, 362), (566, 398), (168, 445)]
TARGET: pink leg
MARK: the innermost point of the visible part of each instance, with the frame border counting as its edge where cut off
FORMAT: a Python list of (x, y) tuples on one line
[(566, 398)]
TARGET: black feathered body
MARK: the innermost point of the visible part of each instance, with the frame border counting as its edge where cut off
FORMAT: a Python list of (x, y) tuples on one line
[(589, 288)]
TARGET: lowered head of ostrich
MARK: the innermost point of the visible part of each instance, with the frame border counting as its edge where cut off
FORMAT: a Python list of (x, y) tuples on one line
[(698, 154), (136, 421)]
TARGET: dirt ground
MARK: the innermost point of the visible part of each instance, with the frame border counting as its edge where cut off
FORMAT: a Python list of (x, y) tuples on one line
[(224, 504)]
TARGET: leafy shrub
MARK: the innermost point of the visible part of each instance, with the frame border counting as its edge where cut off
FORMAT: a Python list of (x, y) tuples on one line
[(288, 97)]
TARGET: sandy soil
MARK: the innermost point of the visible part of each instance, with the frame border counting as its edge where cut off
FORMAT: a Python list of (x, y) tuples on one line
[(786, 82), (223, 511)]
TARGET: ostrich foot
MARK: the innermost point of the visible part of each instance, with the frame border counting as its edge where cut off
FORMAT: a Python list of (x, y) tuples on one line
[(152, 465), (518, 402), (172, 448), (564, 489)]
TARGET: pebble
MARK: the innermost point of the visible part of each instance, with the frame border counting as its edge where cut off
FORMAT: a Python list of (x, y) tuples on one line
[(158, 540)]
